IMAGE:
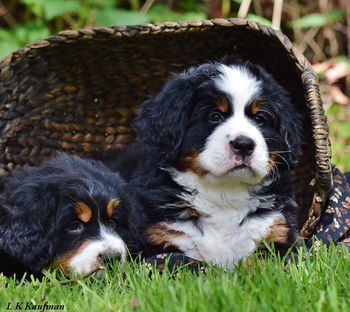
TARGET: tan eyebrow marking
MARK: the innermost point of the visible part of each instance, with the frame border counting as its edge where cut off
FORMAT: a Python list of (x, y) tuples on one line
[(255, 107), (83, 211), (112, 204), (222, 104)]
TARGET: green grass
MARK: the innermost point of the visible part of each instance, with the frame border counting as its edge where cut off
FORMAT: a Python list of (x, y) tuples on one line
[(319, 282)]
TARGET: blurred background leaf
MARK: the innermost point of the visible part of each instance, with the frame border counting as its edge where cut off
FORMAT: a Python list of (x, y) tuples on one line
[(55, 8), (318, 19), (161, 12), (119, 16), (35, 6), (259, 19), (31, 31), (8, 42)]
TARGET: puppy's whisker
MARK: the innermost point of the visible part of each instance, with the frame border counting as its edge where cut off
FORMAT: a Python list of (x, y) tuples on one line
[(268, 112), (272, 152), (274, 139), (284, 160), (274, 171), (204, 107), (200, 150)]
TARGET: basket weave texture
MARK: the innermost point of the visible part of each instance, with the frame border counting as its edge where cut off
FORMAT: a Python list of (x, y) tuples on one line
[(79, 90)]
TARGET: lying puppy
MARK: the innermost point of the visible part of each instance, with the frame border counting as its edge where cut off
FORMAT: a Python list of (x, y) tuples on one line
[(212, 178), (68, 212)]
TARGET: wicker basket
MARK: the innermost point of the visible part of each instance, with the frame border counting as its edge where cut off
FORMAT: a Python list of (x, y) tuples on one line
[(78, 91)]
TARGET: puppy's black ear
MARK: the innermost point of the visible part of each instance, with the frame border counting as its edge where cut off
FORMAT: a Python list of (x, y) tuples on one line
[(162, 120), (27, 214)]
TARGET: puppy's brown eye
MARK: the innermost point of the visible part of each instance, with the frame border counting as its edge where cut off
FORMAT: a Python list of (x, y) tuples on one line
[(216, 117), (259, 119), (75, 227)]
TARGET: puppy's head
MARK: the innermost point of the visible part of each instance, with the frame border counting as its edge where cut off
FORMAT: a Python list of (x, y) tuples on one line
[(224, 122), (69, 212)]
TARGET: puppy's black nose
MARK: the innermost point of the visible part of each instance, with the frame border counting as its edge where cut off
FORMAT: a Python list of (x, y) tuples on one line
[(242, 145)]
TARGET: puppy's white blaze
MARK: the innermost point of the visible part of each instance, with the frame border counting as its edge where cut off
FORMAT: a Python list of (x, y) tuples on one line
[(239, 84), (109, 244), (217, 157)]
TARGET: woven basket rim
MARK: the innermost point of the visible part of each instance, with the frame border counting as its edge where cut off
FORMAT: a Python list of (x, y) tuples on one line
[(69, 36)]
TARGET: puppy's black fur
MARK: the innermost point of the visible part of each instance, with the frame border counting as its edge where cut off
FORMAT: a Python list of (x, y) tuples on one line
[(38, 211)]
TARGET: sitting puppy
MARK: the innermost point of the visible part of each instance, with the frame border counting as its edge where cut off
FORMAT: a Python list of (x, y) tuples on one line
[(212, 177), (68, 212)]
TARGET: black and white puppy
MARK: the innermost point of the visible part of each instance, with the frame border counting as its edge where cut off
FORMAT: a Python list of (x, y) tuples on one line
[(212, 178), (68, 212)]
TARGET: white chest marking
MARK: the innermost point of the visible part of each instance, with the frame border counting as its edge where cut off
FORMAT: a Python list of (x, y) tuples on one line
[(221, 238)]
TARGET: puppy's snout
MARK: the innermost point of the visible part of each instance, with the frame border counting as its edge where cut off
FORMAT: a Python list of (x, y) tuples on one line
[(242, 146)]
